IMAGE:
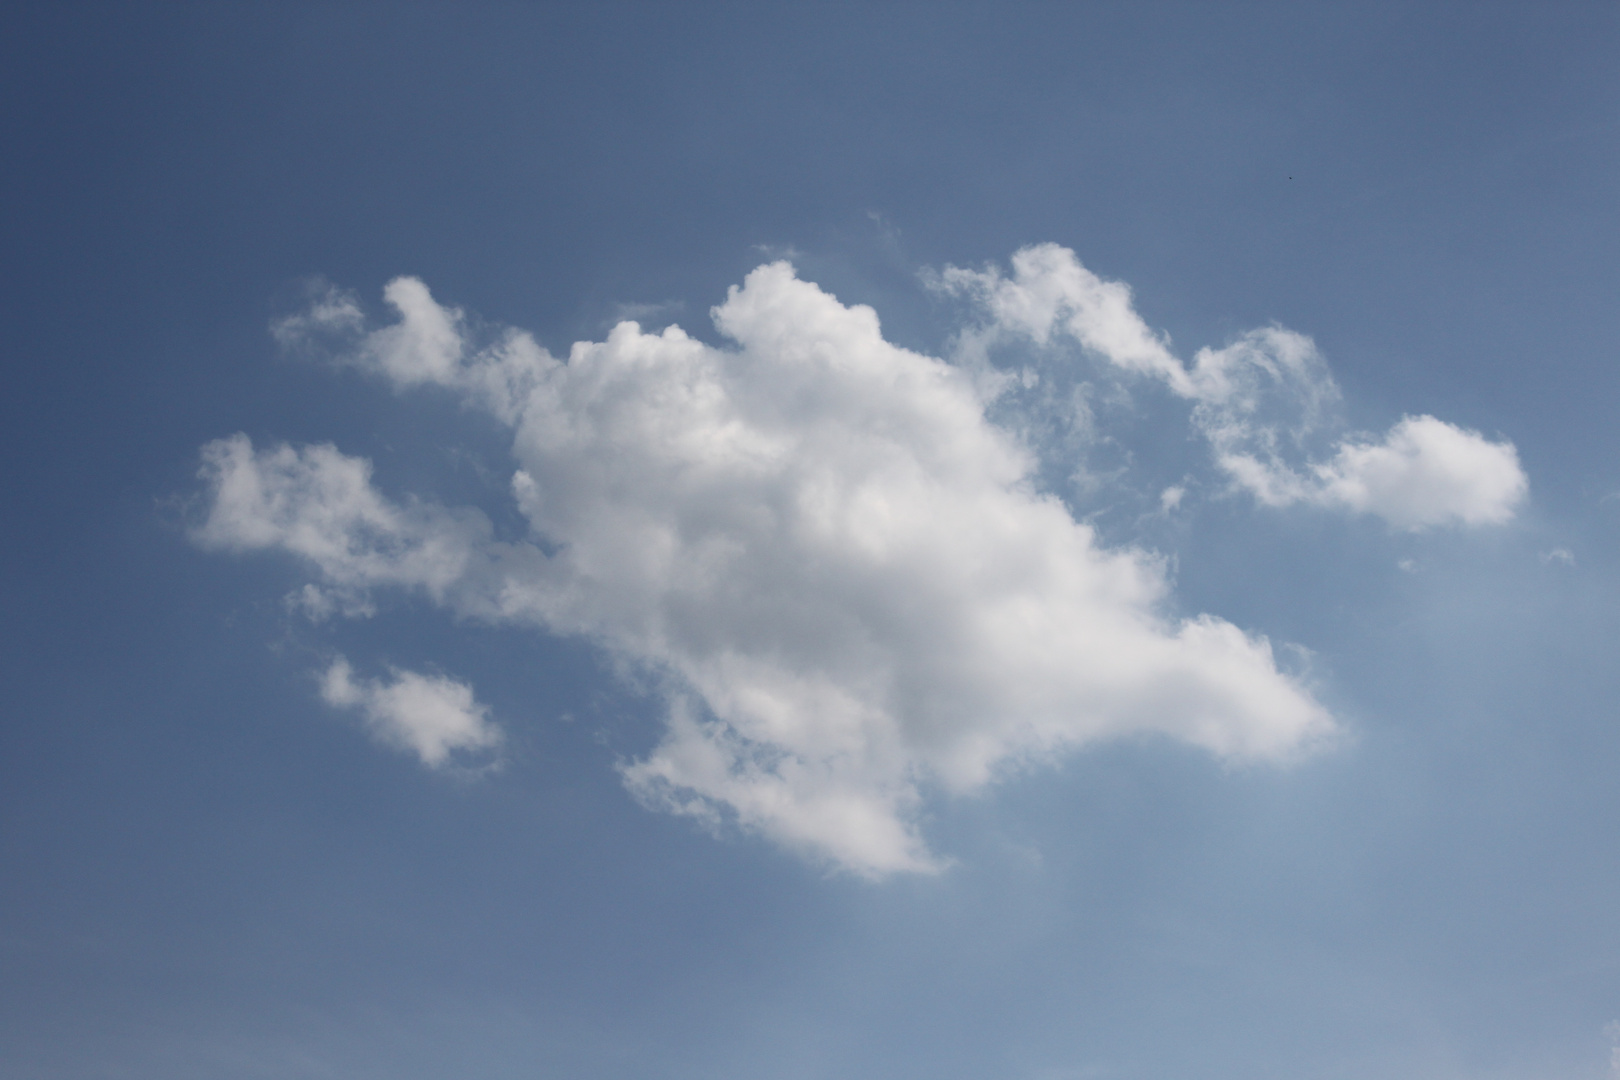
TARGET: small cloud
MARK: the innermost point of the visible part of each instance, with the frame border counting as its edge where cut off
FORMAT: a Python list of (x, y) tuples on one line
[(319, 504), (331, 318), (646, 314), (1170, 498), (888, 231), (1425, 472), (1559, 555), (1408, 565), (431, 716), (317, 604), (779, 252)]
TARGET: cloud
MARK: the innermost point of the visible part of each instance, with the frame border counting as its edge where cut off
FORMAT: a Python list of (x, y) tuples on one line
[(431, 716), (317, 503), (1260, 402), (1562, 556), (331, 313), (645, 312), (1424, 472), (837, 566), (425, 345), (1051, 292)]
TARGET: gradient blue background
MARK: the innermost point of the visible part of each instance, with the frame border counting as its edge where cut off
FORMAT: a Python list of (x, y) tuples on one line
[(206, 874)]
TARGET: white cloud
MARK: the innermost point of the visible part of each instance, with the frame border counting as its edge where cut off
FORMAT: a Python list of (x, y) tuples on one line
[(1425, 472), (425, 345), (431, 716), (1260, 402), (838, 565), (317, 503), (1050, 291), (1422, 473)]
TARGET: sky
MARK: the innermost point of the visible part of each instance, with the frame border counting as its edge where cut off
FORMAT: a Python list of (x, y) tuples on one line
[(1031, 542)]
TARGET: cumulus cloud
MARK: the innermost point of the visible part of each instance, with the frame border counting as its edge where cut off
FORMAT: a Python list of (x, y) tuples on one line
[(1260, 402), (1424, 472), (431, 716), (836, 564)]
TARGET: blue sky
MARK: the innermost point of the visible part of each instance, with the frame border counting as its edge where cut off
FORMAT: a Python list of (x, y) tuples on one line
[(1113, 575)]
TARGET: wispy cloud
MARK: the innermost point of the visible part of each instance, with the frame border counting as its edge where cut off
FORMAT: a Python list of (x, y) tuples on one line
[(1261, 402), (645, 313)]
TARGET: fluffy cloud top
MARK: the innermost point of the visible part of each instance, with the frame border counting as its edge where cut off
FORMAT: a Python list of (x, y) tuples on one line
[(1258, 401), (838, 565), (1051, 292), (430, 716)]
